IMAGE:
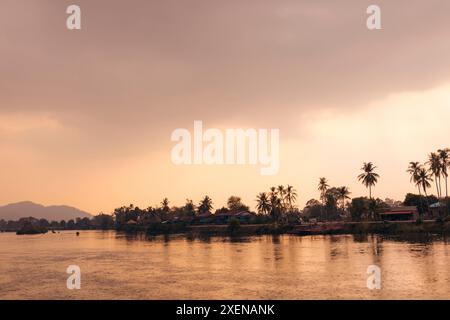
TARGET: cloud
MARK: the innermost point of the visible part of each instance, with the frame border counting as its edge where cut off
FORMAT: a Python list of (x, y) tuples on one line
[(165, 61), (19, 123)]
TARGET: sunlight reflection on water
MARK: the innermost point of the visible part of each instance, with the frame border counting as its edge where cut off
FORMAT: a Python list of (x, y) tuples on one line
[(119, 266)]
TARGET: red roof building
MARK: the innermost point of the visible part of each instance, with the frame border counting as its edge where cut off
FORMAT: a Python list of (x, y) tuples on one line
[(401, 214)]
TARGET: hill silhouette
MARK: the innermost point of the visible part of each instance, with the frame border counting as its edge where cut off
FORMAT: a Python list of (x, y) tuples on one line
[(15, 211)]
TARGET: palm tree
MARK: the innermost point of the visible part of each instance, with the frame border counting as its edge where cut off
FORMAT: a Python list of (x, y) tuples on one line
[(368, 178), (205, 205), (291, 196), (273, 192), (444, 155), (281, 194), (189, 207), (263, 203), (276, 206), (424, 179), (434, 162), (413, 170), (344, 194), (323, 187)]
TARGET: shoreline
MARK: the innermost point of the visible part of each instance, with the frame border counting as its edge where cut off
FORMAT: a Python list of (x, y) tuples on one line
[(332, 228), (328, 228)]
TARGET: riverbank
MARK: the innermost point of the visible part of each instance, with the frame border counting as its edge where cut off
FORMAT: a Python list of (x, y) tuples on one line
[(372, 227), (328, 228), (375, 227), (31, 230)]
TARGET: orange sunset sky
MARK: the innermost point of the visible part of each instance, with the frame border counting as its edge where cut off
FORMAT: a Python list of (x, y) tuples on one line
[(86, 115)]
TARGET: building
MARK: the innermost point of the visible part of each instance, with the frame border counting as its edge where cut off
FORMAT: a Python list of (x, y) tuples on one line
[(438, 210), (244, 216), (400, 214), (226, 217), (203, 218)]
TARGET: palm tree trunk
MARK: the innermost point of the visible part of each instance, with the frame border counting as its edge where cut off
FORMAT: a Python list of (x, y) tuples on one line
[(370, 192), (437, 188), (426, 197), (420, 194), (446, 187)]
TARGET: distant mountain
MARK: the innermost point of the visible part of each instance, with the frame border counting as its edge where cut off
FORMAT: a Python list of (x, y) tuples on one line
[(15, 211)]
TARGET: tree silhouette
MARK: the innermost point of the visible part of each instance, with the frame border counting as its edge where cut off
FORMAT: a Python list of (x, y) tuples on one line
[(368, 178), (323, 187), (263, 203), (444, 155), (343, 194), (165, 205), (413, 170), (435, 167), (424, 179), (290, 196), (205, 205)]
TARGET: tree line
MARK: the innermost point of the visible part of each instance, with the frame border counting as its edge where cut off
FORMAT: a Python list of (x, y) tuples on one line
[(278, 204)]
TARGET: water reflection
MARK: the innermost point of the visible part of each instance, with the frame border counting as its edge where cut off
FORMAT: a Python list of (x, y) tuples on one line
[(360, 237), (277, 239), (117, 265)]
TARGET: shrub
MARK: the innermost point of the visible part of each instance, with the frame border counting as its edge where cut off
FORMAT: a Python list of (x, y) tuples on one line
[(165, 228), (446, 227), (233, 226)]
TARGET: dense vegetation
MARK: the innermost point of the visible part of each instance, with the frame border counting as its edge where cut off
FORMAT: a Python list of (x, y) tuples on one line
[(276, 206)]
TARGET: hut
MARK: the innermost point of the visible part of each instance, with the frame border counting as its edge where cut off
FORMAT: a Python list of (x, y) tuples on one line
[(400, 214)]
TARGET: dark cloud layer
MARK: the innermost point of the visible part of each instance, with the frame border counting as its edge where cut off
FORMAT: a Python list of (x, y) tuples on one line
[(139, 69), (164, 60)]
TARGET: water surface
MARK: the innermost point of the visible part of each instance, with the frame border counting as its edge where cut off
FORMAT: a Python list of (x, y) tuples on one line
[(116, 266)]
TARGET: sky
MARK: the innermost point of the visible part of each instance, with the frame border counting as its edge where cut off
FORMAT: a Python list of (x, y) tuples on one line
[(86, 115)]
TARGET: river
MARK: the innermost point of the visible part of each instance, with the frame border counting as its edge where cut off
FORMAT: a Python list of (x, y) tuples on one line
[(116, 266)]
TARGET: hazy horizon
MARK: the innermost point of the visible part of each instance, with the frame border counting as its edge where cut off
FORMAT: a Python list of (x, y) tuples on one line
[(86, 116)]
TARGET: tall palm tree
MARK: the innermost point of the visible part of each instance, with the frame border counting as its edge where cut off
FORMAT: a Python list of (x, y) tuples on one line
[(323, 187), (368, 178), (434, 163), (263, 203), (413, 170), (424, 179), (444, 155), (273, 192), (276, 206), (282, 194), (343, 194), (291, 196)]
